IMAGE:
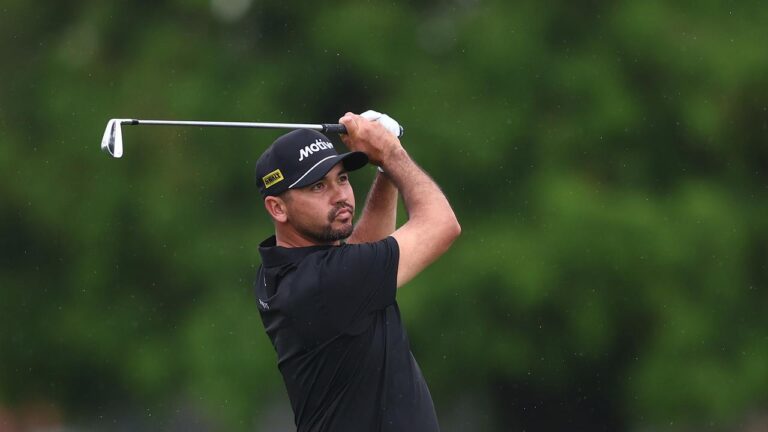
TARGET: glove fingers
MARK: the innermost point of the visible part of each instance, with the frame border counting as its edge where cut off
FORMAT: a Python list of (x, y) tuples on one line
[(371, 115), (390, 124)]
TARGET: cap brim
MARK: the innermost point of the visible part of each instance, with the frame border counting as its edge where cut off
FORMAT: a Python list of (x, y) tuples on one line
[(352, 161)]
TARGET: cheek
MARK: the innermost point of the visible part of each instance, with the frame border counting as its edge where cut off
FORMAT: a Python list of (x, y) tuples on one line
[(350, 194), (305, 212)]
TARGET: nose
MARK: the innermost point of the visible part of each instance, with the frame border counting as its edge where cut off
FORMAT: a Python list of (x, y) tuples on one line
[(340, 193)]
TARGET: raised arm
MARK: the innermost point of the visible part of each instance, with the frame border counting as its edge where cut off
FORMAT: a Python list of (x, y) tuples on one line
[(379, 215), (432, 226)]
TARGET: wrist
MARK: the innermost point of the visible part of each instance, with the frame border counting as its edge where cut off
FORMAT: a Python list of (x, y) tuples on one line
[(394, 158)]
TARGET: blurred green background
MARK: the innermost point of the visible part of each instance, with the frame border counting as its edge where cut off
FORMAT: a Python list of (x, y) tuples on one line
[(607, 161)]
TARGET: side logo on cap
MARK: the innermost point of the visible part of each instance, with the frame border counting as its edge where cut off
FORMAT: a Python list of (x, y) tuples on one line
[(274, 177)]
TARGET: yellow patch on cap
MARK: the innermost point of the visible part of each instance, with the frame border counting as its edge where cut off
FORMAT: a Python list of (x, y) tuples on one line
[(274, 177)]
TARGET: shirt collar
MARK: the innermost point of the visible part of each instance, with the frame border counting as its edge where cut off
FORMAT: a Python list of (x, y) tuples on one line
[(274, 256)]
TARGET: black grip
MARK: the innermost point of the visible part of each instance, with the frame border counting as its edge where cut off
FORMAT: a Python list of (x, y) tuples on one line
[(334, 128)]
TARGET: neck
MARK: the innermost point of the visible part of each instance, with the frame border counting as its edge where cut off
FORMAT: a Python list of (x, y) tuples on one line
[(291, 238)]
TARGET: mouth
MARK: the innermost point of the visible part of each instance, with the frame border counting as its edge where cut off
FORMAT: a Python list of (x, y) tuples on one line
[(343, 214)]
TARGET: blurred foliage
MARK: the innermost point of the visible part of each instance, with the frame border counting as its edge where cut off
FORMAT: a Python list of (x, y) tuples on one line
[(607, 161)]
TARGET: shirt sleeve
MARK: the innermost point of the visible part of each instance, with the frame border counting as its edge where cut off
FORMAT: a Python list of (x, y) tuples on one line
[(360, 279)]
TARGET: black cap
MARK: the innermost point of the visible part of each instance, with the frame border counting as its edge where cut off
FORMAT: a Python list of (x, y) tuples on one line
[(300, 158)]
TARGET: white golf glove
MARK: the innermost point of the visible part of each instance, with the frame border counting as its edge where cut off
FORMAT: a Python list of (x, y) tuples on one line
[(388, 122)]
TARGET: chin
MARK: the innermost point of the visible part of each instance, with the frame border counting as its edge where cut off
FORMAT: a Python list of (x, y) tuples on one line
[(344, 231), (331, 233)]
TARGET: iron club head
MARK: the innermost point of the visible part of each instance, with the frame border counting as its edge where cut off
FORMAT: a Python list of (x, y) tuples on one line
[(112, 141)]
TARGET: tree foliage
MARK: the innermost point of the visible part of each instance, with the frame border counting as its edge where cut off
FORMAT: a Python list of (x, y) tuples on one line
[(607, 163)]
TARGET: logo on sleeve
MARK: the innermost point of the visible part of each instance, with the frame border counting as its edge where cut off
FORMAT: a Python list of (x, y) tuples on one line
[(274, 177), (264, 305)]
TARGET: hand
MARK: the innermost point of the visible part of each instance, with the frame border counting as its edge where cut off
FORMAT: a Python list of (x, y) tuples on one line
[(369, 137), (388, 122)]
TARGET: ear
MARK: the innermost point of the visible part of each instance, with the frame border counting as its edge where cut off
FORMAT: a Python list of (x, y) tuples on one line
[(276, 208)]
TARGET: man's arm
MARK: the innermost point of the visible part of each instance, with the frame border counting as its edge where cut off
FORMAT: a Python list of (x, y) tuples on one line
[(432, 226), (379, 215)]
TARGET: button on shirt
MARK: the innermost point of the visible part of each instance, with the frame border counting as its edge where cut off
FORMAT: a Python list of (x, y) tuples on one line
[(344, 355)]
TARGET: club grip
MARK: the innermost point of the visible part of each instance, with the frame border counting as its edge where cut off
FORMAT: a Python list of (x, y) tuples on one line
[(334, 128)]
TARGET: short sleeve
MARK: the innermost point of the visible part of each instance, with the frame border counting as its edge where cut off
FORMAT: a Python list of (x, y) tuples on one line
[(359, 279)]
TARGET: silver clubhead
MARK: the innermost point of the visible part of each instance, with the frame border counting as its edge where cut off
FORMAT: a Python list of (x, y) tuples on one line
[(112, 141)]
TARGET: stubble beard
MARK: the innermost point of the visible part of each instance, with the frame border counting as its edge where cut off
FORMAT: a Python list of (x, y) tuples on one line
[(328, 234)]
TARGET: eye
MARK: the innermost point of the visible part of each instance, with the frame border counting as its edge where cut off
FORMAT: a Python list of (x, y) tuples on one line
[(317, 186), (344, 178)]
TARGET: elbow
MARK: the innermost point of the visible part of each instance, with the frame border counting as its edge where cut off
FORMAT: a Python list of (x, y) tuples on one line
[(452, 229), (455, 229)]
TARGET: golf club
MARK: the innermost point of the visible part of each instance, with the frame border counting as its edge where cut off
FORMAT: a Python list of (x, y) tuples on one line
[(112, 141)]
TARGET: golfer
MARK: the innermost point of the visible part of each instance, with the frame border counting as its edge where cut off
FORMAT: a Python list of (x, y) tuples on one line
[(326, 288)]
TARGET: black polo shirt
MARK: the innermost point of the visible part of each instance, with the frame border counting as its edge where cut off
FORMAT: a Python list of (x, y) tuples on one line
[(331, 314)]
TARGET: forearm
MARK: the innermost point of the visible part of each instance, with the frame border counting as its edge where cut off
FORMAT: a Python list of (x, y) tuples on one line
[(379, 215), (423, 199), (432, 226)]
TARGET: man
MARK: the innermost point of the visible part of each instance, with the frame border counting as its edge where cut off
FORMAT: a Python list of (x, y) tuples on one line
[(329, 306)]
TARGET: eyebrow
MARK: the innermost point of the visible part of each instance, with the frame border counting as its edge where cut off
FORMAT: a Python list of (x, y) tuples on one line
[(342, 172)]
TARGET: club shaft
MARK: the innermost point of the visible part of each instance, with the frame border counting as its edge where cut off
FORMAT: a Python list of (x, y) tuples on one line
[(319, 127)]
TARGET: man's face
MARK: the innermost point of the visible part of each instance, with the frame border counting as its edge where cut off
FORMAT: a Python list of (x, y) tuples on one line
[(323, 211)]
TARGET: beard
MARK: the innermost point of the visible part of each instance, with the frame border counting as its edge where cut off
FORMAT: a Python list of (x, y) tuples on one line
[(326, 233)]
